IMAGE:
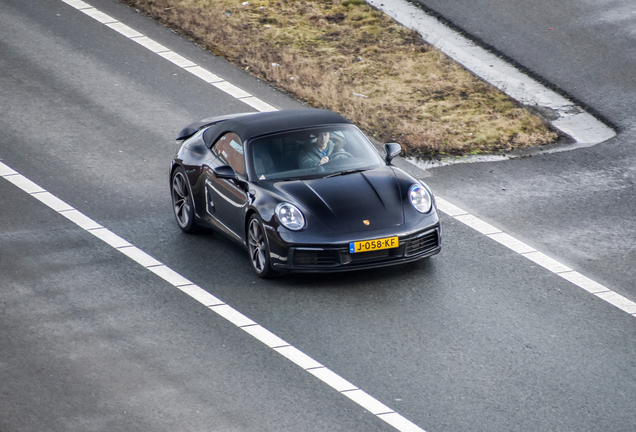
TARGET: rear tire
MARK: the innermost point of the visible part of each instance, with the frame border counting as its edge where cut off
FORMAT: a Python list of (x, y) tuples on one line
[(259, 248), (182, 205)]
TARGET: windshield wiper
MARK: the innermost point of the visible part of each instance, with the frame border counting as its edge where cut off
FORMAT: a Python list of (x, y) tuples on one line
[(345, 172)]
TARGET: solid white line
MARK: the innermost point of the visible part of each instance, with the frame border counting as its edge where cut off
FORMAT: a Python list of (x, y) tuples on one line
[(333, 380), (222, 309), (258, 104), (171, 56), (232, 315), (546, 262), (150, 44), (369, 403), (618, 300), (265, 336), (99, 16), (25, 184), (80, 219), (511, 243), (231, 89), (537, 257), (78, 4), (204, 74), (125, 30), (108, 237), (139, 256), (583, 282), (52, 201), (169, 275), (400, 423), (477, 224), (177, 59), (297, 357), (200, 295)]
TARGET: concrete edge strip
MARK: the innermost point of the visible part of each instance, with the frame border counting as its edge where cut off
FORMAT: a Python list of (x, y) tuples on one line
[(585, 129), (537, 257)]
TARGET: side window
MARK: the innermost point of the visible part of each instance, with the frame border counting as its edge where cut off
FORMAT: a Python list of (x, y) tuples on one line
[(229, 149)]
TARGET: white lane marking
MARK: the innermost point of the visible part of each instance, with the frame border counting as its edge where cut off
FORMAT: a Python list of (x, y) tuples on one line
[(367, 402), (477, 224), (580, 125), (298, 357), (177, 59), (125, 30), (139, 256), (25, 184), (265, 336), (204, 74), (232, 315), (52, 201), (216, 305), (80, 219), (334, 380), (150, 44), (200, 295), (169, 275), (537, 257), (168, 54), (511, 243)]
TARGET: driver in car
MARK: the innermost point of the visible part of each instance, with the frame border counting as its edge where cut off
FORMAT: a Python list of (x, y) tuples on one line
[(319, 152)]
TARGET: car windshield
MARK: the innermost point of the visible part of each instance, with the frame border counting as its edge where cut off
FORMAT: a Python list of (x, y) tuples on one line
[(312, 153)]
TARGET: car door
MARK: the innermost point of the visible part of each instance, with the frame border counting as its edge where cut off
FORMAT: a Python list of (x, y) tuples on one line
[(226, 198)]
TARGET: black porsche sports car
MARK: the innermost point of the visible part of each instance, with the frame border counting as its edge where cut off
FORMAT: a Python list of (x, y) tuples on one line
[(303, 191)]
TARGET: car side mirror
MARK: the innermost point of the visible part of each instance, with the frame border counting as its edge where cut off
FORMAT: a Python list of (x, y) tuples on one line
[(392, 150), (225, 172)]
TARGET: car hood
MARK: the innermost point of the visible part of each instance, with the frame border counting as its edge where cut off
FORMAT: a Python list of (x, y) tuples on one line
[(343, 203)]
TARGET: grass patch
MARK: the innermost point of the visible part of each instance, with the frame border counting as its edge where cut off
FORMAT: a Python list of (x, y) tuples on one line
[(345, 56)]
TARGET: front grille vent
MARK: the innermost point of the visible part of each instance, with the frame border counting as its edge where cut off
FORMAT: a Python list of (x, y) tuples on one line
[(425, 243), (315, 258)]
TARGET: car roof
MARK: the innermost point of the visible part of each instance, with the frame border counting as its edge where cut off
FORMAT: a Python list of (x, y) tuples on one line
[(258, 124)]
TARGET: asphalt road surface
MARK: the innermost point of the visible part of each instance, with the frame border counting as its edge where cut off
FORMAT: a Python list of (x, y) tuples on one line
[(577, 206), (477, 338)]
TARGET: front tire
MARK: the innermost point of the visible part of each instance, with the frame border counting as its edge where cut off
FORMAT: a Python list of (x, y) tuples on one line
[(182, 205), (259, 248)]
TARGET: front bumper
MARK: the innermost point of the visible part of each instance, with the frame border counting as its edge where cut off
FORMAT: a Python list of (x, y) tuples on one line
[(337, 257)]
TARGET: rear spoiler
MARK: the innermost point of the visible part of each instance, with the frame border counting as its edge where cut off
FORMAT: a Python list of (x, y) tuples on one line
[(192, 128)]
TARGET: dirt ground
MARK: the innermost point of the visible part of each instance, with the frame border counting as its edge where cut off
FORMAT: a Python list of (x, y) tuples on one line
[(345, 56)]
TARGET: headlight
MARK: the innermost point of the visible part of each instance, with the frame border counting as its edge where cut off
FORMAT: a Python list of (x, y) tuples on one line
[(290, 217), (420, 198)]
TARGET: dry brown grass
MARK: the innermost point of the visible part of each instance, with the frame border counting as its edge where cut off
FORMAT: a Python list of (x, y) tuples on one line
[(345, 56)]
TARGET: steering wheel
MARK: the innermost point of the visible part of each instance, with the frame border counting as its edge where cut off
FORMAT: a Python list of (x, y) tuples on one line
[(340, 154)]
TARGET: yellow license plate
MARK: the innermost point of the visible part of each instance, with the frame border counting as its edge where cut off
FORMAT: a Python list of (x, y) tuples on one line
[(372, 245)]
